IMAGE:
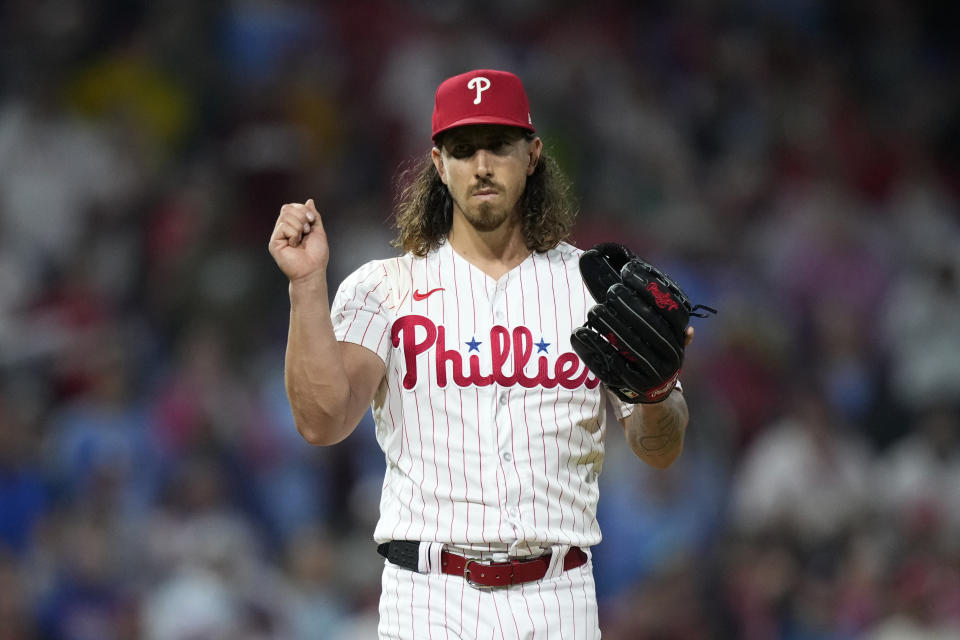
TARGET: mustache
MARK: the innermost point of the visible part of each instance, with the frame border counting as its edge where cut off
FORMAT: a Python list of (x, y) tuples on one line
[(485, 185)]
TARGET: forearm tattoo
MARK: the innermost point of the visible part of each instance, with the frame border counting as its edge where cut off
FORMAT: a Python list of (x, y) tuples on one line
[(664, 435)]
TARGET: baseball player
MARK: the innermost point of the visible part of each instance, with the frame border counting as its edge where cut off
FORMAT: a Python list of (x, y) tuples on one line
[(487, 352)]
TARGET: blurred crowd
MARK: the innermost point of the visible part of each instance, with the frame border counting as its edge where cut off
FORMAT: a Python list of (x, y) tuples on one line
[(794, 163)]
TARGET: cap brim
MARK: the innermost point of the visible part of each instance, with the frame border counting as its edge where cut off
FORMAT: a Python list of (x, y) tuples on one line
[(484, 120)]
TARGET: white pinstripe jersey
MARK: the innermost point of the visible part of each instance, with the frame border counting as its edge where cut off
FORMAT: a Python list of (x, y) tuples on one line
[(492, 427)]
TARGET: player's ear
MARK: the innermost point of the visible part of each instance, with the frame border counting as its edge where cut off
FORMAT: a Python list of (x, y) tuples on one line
[(536, 148), (437, 158)]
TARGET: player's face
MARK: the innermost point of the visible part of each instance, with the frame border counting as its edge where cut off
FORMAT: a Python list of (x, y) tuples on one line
[(485, 167)]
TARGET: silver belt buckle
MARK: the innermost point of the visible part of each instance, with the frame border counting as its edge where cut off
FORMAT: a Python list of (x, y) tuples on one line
[(475, 585)]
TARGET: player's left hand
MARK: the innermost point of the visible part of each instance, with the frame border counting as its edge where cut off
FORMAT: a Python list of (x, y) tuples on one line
[(635, 336)]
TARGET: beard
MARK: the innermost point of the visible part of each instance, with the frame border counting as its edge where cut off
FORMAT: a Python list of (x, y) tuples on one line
[(486, 217)]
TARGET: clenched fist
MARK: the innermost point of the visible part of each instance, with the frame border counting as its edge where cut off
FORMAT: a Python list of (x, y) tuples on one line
[(298, 243)]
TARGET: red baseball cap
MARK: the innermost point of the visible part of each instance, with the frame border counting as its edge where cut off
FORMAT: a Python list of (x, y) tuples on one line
[(481, 96)]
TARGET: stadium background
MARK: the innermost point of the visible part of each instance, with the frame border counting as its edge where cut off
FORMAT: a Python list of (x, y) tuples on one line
[(798, 161)]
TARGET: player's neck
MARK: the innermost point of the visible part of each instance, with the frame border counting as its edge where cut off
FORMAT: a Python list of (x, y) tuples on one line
[(493, 252)]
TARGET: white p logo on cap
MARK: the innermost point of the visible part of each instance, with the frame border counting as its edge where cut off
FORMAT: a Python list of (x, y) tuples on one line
[(479, 83)]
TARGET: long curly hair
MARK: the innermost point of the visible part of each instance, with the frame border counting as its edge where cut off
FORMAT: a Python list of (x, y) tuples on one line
[(424, 208)]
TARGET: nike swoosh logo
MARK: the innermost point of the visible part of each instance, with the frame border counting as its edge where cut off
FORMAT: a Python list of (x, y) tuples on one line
[(422, 296)]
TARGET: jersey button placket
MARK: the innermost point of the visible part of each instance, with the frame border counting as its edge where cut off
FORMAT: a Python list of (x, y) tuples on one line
[(499, 301), (511, 488)]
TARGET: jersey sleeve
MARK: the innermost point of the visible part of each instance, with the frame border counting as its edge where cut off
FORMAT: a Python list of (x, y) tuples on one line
[(362, 311)]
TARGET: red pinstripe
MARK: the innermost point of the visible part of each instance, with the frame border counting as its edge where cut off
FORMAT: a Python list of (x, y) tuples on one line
[(346, 305), (573, 604), (413, 618), (370, 321), (533, 632), (513, 451), (526, 422), (556, 313), (512, 615), (406, 438), (446, 628), (583, 510), (583, 293), (483, 500), (375, 313), (496, 610), (546, 618), (571, 460), (463, 585), (446, 413), (423, 465), (499, 472), (472, 299), (396, 588), (362, 305), (476, 632), (433, 429), (383, 334), (463, 424), (559, 606), (406, 430), (540, 406)]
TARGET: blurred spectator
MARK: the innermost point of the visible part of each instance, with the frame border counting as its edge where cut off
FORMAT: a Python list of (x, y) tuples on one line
[(919, 590), (808, 472), (822, 250), (744, 369), (293, 482), (88, 598), (921, 339), (193, 602), (845, 365), (198, 523), (54, 167), (17, 621), (316, 603), (201, 402), (758, 575), (663, 604), (916, 478), (148, 111), (259, 38), (207, 574), (656, 521), (98, 445), (24, 498)]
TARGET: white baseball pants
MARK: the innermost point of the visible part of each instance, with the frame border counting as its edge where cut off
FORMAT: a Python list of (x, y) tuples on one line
[(436, 606)]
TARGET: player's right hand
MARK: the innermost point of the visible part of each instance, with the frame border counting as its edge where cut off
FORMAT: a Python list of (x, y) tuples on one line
[(298, 243)]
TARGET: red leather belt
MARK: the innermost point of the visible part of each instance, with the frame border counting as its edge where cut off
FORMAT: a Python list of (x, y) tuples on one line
[(482, 575)]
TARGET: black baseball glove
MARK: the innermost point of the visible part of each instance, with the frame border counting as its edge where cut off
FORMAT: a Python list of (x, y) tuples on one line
[(634, 337)]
